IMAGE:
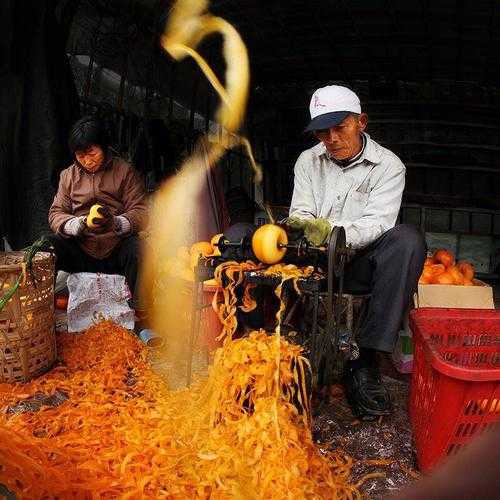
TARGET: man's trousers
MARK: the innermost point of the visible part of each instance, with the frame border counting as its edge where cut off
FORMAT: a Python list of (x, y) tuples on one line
[(388, 269)]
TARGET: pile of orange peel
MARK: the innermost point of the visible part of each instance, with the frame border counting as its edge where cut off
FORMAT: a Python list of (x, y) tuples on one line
[(123, 434)]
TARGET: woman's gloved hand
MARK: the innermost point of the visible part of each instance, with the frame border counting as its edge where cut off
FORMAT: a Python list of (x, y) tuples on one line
[(100, 222), (75, 226)]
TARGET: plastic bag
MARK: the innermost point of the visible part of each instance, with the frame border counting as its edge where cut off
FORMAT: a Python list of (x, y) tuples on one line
[(94, 297), (402, 356)]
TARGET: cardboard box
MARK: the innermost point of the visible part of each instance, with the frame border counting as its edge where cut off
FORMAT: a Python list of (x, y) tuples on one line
[(479, 296)]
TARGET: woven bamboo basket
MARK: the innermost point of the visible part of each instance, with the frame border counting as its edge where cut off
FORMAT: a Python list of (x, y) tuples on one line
[(27, 331)]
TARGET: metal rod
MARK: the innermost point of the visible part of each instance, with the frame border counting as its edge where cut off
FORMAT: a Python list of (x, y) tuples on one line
[(90, 67)]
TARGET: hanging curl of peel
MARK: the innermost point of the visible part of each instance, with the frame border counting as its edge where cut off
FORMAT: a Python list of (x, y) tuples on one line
[(171, 224), (188, 25)]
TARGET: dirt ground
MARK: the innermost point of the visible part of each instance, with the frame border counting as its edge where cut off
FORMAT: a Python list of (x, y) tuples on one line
[(388, 439)]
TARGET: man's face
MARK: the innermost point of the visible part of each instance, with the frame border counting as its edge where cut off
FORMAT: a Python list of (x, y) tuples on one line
[(343, 141), (91, 158)]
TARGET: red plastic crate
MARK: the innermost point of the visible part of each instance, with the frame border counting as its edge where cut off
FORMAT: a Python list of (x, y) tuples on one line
[(455, 389)]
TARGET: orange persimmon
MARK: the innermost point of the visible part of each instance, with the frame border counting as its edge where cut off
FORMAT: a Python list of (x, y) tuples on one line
[(429, 261), (444, 257), (457, 275), (435, 269), (444, 279), (466, 269), (430, 272), (424, 280), (426, 276)]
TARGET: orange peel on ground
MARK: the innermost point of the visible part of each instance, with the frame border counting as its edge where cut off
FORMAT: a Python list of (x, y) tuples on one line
[(122, 434)]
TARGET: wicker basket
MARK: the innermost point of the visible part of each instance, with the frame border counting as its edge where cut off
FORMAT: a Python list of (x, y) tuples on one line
[(27, 331)]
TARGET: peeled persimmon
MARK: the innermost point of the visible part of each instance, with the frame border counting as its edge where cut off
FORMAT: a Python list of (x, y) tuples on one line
[(466, 269), (267, 243), (429, 261), (444, 279), (444, 257), (468, 282), (93, 214)]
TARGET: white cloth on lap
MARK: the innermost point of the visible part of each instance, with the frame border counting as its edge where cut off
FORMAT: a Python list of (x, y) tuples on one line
[(95, 297)]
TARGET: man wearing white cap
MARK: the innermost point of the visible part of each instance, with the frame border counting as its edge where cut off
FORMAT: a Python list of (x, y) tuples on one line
[(349, 180)]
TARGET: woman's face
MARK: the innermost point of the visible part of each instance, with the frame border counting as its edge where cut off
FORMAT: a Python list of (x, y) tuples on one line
[(91, 159)]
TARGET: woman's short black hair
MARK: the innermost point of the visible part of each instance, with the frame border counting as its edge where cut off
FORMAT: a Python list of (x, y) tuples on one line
[(87, 131)]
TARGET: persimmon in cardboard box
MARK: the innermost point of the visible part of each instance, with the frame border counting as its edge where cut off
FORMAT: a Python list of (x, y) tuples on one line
[(479, 296)]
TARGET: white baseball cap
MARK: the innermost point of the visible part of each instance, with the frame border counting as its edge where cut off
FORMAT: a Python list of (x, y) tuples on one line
[(331, 105)]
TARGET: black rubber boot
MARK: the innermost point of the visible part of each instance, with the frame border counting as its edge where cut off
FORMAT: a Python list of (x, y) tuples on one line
[(368, 398)]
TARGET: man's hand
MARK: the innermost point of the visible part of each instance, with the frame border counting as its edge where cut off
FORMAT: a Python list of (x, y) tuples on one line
[(294, 227), (295, 224), (316, 231)]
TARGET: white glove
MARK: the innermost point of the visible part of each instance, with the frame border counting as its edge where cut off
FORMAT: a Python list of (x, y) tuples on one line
[(122, 225), (75, 226)]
